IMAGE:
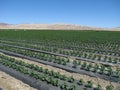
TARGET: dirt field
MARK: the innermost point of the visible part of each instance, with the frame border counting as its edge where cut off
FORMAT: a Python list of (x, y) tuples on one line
[(8, 82)]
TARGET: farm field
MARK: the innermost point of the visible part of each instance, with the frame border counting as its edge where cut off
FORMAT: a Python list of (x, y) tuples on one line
[(62, 60)]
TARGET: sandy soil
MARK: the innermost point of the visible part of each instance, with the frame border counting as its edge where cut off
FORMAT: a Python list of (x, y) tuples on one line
[(8, 82), (77, 76)]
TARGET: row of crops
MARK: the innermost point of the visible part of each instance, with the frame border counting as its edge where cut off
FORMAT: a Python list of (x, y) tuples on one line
[(84, 55), (68, 45), (113, 75), (84, 52), (50, 77)]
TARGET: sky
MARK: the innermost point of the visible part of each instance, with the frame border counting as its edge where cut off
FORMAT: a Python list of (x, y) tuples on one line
[(97, 13)]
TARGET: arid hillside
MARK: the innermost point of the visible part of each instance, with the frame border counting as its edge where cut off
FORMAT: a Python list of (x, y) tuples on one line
[(53, 27)]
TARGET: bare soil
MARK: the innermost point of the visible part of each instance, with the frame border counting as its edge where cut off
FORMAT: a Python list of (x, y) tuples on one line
[(8, 82)]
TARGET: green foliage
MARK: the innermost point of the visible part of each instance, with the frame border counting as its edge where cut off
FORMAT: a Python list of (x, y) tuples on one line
[(73, 87), (109, 87), (80, 43), (83, 66), (89, 84), (59, 35), (64, 86), (98, 87), (71, 79), (81, 82)]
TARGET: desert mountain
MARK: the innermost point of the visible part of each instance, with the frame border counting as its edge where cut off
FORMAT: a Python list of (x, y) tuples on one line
[(3, 24), (52, 26)]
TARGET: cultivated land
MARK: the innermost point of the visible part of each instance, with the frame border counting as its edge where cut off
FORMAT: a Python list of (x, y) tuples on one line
[(62, 60)]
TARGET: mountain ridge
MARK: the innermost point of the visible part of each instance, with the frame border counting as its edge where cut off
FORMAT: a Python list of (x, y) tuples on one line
[(53, 27)]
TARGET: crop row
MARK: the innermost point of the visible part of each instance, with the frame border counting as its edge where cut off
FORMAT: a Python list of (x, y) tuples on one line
[(51, 77), (91, 56), (107, 45), (77, 65), (84, 48)]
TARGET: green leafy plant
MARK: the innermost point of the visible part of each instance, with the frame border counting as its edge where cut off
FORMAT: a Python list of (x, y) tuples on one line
[(89, 84), (71, 79), (81, 82), (109, 87), (98, 87)]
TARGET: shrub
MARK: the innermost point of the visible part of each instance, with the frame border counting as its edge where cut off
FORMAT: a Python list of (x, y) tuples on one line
[(81, 82), (71, 79), (89, 84), (98, 87), (64, 86), (109, 87)]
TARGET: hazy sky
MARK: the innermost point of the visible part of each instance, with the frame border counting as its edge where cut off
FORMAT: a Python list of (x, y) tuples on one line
[(100, 13)]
